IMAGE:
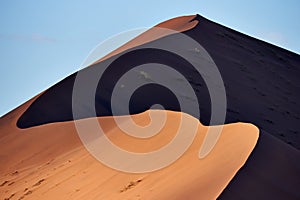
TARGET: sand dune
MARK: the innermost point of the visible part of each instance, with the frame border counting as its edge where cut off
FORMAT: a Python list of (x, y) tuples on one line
[(261, 82), (49, 162), (42, 156)]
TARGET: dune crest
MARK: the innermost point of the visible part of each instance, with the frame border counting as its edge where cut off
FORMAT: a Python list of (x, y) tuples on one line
[(55, 165), (171, 26)]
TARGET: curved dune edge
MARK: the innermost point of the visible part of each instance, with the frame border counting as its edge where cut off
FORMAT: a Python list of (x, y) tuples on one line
[(171, 26), (49, 162), (177, 24)]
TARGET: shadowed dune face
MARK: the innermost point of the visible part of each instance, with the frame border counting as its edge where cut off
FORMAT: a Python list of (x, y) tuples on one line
[(54, 163), (261, 80), (272, 172)]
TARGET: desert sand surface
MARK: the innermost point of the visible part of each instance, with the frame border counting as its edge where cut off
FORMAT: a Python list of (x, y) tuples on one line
[(42, 156), (50, 162)]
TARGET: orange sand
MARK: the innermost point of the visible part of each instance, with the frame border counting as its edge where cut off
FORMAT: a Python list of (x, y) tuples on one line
[(50, 162)]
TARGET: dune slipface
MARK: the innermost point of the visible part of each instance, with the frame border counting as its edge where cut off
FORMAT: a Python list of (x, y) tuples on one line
[(43, 157)]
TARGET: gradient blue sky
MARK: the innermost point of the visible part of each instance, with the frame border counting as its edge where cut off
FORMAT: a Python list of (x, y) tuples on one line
[(41, 42)]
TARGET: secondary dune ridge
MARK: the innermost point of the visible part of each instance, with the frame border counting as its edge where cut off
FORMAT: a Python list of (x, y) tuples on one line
[(55, 165)]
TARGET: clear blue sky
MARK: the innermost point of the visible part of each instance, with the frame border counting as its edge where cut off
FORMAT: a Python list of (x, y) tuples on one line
[(41, 42)]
